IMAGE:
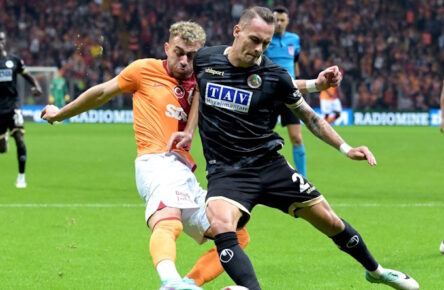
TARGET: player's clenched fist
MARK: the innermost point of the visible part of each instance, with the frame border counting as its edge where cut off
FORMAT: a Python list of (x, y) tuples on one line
[(49, 113), (330, 77)]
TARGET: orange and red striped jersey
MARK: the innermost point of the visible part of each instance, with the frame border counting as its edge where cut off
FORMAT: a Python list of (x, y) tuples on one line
[(160, 105), (329, 94)]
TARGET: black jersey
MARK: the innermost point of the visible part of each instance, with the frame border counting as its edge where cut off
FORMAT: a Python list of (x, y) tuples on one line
[(10, 66), (236, 105)]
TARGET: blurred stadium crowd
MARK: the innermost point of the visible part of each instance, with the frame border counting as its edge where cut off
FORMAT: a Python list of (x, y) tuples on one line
[(391, 52)]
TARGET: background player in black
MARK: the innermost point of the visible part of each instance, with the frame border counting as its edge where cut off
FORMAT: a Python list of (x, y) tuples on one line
[(10, 115), (237, 89)]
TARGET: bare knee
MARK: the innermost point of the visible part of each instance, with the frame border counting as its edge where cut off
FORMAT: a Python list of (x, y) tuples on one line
[(221, 225), (223, 216), (296, 140), (295, 133), (333, 223), (166, 213), (322, 217)]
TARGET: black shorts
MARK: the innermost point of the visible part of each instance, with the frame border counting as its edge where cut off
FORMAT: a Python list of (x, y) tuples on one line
[(274, 184), (287, 116), (12, 121)]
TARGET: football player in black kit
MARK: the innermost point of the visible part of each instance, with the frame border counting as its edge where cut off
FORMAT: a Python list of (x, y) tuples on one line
[(10, 115), (238, 86)]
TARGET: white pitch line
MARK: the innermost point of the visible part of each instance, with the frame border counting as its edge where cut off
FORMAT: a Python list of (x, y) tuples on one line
[(426, 204), (72, 205), (139, 205)]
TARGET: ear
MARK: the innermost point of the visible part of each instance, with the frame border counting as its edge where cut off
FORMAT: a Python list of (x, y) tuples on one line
[(166, 46), (236, 30)]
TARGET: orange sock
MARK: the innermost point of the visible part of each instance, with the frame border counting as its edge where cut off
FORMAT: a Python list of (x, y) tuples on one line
[(163, 240), (208, 266)]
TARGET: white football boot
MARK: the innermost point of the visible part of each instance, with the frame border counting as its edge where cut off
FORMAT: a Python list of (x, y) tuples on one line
[(395, 279), (20, 182)]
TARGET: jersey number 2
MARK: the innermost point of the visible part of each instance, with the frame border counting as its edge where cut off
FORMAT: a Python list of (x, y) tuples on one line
[(302, 185)]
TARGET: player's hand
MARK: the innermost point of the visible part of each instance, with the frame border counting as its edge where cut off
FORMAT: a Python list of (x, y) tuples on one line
[(49, 113), (180, 140), (441, 127), (362, 153), (37, 92), (330, 77)]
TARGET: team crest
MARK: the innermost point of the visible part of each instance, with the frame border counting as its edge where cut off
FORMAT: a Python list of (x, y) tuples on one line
[(254, 81), (291, 50), (9, 64), (179, 91)]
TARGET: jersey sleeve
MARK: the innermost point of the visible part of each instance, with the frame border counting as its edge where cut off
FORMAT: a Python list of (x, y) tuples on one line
[(129, 78), (21, 68), (288, 92)]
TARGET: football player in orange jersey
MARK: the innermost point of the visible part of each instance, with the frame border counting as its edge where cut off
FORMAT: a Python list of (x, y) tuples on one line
[(162, 96), (330, 103)]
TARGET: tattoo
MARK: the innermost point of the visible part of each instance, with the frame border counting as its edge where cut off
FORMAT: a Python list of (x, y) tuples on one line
[(309, 117), (317, 125), (314, 124)]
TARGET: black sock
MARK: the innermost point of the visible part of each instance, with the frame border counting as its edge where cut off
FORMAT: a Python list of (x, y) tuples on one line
[(351, 242), (21, 150), (21, 156), (235, 262)]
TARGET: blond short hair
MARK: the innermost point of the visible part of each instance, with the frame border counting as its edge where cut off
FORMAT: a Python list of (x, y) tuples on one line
[(188, 31)]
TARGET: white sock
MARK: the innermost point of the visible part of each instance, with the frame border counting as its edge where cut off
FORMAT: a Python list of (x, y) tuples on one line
[(167, 270), (21, 176), (378, 272)]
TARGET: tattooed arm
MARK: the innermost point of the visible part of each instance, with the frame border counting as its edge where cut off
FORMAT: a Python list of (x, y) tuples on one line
[(321, 129), (317, 125)]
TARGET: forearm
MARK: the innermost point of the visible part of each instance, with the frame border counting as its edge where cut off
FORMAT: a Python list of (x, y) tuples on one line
[(318, 126), (193, 115), (92, 98), (306, 86), (31, 80), (183, 139)]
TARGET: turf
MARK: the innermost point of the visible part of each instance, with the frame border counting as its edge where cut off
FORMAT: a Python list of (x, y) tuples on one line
[(80, 222)]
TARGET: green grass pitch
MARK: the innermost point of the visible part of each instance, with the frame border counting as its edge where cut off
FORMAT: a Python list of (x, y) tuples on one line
[(80, 223)]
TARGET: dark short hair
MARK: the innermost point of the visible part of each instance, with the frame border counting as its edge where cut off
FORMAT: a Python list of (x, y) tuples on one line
[(281, 9), (257, 11)]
